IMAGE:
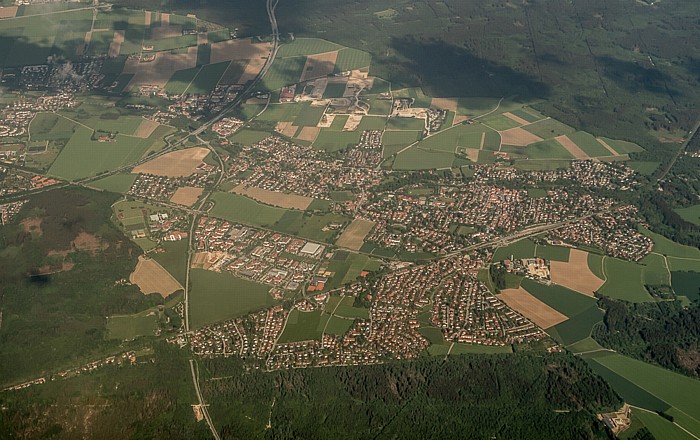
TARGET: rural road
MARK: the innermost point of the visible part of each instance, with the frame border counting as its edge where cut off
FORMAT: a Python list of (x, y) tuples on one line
[(202, 405)]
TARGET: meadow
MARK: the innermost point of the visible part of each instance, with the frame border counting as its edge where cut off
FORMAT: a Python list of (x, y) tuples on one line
[(117, 183), (303, 326), (216, 297), (560, 298), (624, 280)]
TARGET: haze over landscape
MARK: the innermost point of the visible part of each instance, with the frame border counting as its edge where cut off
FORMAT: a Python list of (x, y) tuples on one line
[(322, 219)]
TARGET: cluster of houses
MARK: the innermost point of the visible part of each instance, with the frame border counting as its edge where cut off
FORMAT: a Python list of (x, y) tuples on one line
[(226, 126), (616, 233), (467, 311), (8, 211), (16, 116), (163, 188), (368, 152), (14, 181)]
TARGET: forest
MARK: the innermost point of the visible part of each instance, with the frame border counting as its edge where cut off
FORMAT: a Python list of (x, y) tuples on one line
[(663, 333)]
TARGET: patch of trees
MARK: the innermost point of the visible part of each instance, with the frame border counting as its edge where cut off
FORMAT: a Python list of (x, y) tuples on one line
[(506, 396), (498, 276), (663, 333)]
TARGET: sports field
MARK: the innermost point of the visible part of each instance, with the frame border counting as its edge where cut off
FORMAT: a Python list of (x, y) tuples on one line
[(219, 296)]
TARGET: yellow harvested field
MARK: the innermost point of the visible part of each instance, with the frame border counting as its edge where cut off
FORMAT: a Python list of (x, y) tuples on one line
[(150, 277), (459, 119), (186, 195), (309, 134), (86, 41), (518, 137), (164, 19), (575, 274), (238, 50), (286, 129), (8, 11), (352, 123), (608, 147), (158, 71), (116, 45), (147, 18), (146, 128), (532, 308), (252, 69), (319, 66), (472, 154), (180, 163), (274, 198), (353, 237), (571, 147), (515, 118), (445, 104)]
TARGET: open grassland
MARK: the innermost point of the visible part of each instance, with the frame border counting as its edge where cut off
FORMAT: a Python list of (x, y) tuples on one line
[(622, 147), (338, 326), (499, 122), (660, 427), (306, 46), (346, 267), (83, 157), (588, 143), (238, 208), (351, 59), (331, 141), (549, 128), (566, 301), (548, 149), (207, 78), (520, 249), (249, 137), (690, 214), (283, 72), (578, 327), (303, 326), (118, 183), (219, 296), (686, 284), (625, 280), (416, 158), (680, 257), (551, 252), (173, 259), (180, 81), (129, 327), (309, 116)]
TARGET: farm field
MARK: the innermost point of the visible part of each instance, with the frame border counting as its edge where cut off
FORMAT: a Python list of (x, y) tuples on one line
[(566, 301), (578, 327), (248, 137), (690, 214), (129, 327), (575, 273), (150, 277), (353, 236), (274, 198), (118, 183), (331, 141), (520, 249), (84, 157), (347, 266), (549, 128), (679, 257), (181, 80), (625, 280), (306, 46), (532, 308), (216, 297), (551, 252), (303, 326), (338, 326), (343, 307), (179, 163), (686, 284), (207, 78), (589, 144)]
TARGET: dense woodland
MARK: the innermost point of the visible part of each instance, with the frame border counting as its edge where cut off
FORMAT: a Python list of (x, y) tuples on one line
[(498, 396), (663, 333)]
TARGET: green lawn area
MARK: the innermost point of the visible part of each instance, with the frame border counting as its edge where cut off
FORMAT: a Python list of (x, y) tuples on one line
[(476, 106), (686, 284), (420, 159), (660, 427), (550, 252), (130, 327), (625, 280), (50, 126), (347, 266), (549, 149), (588, 143), (83, 157), (346, 310), (646, 168), (285, 112), (536, 193), (338, 326), (303, 326), (216, 297), (118, 183), (549, 128), (541, 165), (690, 214)]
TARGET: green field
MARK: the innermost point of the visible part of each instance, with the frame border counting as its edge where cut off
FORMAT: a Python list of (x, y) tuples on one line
[(309, 116), (343, 307), (461, 136), (560, 298), (476, 106), (372, 123), (405, 124), (338, 326), (622, 147), (303, 326), (286, 112), (420, 159), (181, 80), (241, 209), (540, 165), (520, 249), (400, 138), (306, 46), (529, 114), (499, 122), (283, 72), (351, 59), (130, 327), (680, 257), (379, 106), (655, 270), (118, 183), (690, 214), (334, 90), (551, 252), (216, 297), (549, 149), (347, 266), (83, 157), (675, 389), (588, 143), (549, 128), (625, 280), (331, 141), (686, 284), (578, 327), (249, 137), (660, 427), (50, 126), (207, 78)]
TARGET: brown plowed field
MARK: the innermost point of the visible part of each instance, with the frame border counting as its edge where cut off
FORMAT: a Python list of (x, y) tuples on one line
[(181, 163), (318, 66), (238, 50), (571, 147), (150, 277), (532, 308), (575, 274), (187, 195), (518, 137), (515, 118), (353, 237)]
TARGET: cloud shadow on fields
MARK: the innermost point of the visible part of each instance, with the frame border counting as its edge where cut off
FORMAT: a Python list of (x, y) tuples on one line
[(444, 69)]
